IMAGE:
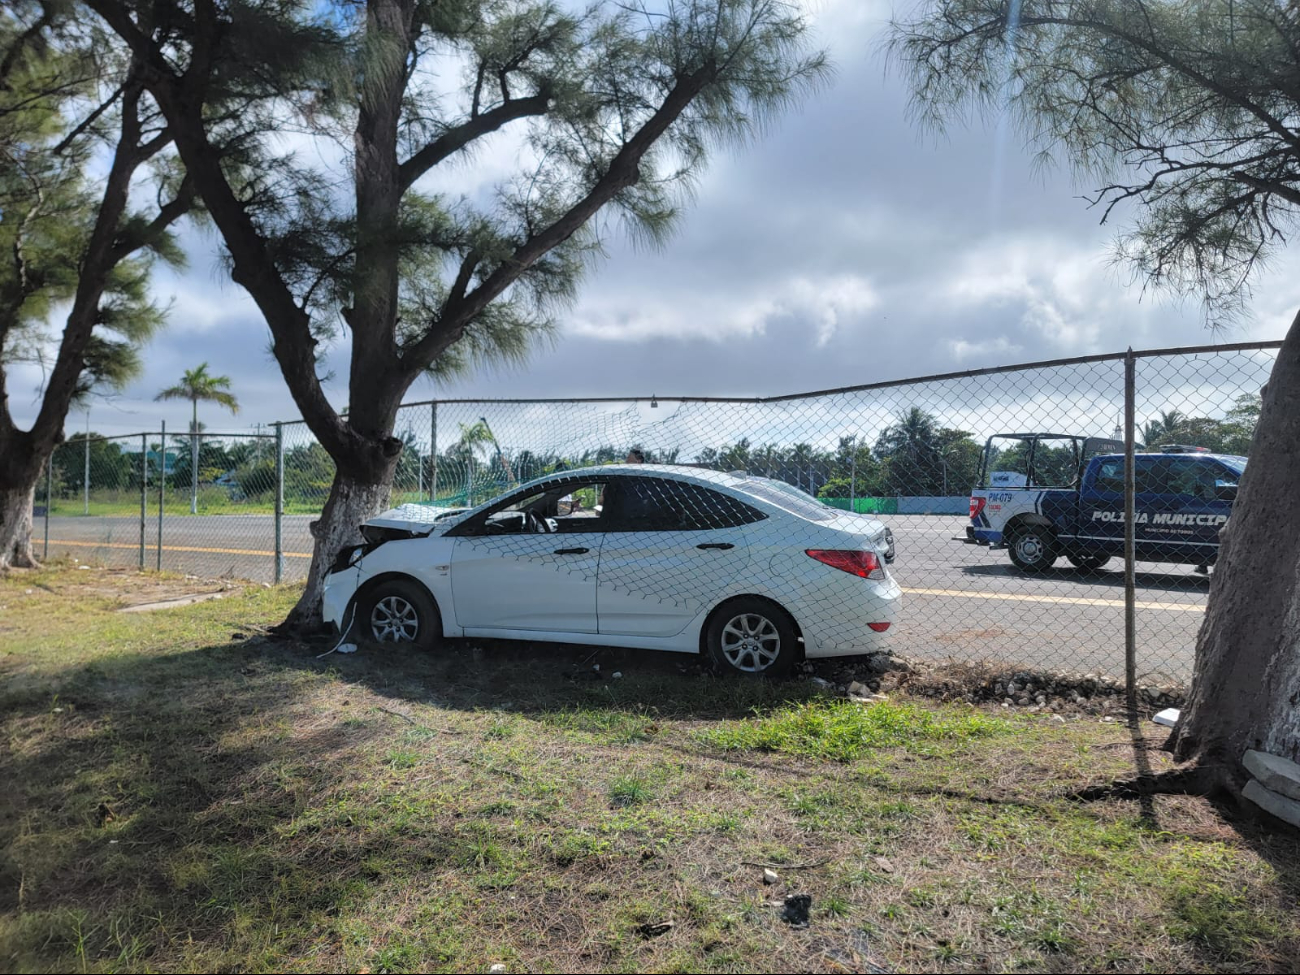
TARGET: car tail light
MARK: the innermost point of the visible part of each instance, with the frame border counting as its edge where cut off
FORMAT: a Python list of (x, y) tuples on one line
[(879, 627), (976, 506), (859, 562)]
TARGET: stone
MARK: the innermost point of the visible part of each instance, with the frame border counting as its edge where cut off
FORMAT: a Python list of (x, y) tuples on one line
[(770, 877), (883, 865), (1274, 773), (858, 689), (498, 967), (823, 683), (1057, 717), (1285, 809), (617, 675)]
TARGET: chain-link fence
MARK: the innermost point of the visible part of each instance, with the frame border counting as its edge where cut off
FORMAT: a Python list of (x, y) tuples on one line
[(202, 504), (920, 455)]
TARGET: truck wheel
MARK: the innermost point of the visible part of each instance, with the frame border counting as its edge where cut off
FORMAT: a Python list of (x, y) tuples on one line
[(1033, 548), (1088, 563)]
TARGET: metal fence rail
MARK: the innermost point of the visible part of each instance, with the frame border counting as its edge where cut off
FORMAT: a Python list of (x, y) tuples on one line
[(906, 452)]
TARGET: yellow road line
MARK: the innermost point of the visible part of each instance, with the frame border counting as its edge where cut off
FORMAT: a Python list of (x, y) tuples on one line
[(1069, 600), (178, 548)]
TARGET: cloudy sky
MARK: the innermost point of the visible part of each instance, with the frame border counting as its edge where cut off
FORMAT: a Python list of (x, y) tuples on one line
[(841, 248)]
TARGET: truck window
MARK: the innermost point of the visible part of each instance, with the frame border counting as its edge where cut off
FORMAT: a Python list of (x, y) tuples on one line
[(1110, 476), (1185, 476), (1056, 463)]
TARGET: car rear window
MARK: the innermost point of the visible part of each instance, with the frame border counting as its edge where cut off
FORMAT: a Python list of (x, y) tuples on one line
[(791, 502)]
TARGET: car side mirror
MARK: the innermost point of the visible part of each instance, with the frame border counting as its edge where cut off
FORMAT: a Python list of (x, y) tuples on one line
[(1226, 493)]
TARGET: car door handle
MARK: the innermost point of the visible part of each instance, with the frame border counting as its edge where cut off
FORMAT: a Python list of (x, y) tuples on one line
[(721, 545), (571, 551)]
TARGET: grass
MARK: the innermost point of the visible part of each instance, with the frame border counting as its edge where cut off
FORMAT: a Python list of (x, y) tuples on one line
[(843, 731), (182, 795)]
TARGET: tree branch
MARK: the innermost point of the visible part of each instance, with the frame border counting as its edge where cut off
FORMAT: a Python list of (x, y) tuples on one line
[(623, 171), (459, 136), (87, 122), (167, 215), (180, 99)]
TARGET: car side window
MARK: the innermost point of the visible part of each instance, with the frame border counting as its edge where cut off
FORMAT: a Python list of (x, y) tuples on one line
[(567, 505), (659, 504)]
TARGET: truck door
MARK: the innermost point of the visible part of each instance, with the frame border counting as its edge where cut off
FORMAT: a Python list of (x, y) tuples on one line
[(1185, 510), (1101, 508)]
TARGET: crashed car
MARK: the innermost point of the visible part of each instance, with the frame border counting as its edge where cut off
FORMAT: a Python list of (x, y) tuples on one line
[(641, 556)]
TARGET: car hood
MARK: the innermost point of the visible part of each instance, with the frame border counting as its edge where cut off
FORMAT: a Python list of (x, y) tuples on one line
[(417, 517)]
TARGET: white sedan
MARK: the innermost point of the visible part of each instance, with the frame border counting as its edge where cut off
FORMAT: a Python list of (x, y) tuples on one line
[(644, 556)]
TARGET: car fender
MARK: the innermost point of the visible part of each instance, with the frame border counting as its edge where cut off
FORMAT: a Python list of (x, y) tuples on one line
[(427, 560)]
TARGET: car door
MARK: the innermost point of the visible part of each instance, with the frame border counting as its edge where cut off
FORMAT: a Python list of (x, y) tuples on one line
[(528, 580), (672, 549)]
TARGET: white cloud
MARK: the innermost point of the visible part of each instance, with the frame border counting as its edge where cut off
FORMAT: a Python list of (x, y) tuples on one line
[(726, 313)]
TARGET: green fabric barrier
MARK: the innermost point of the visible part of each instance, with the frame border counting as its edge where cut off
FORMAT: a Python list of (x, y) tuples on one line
[(864, 506)]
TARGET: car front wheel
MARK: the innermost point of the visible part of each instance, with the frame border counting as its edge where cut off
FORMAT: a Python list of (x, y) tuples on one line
[(752, 637), (399, 611)]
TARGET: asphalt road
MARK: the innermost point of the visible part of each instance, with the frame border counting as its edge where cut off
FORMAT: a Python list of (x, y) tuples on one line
[(961, 601)]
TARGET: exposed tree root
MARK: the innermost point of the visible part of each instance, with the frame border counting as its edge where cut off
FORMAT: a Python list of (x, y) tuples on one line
[(1198, 781)]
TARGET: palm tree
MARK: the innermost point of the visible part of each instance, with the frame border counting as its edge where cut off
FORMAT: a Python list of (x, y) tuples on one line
[(911, 445), (1162, 430), (197, 384)]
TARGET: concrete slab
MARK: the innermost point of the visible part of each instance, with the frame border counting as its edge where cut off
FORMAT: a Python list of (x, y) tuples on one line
[(201, 597), (1287, 810), (1274, 773)]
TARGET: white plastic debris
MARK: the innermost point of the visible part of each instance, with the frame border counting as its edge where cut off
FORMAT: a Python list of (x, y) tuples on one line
[(1168, 717), (617, 675), (346, 648)]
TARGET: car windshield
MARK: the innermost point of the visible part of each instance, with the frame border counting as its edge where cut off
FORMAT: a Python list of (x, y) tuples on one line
[(787, 497)]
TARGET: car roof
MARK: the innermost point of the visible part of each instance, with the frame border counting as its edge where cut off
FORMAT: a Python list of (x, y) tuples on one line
[(681, 472)]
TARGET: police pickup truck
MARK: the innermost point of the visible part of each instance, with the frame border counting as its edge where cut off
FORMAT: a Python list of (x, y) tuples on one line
[(1042, 495)]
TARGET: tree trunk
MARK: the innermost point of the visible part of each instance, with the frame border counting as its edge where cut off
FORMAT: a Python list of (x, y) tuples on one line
[(1246, 681), (352, 500), (16, 525)]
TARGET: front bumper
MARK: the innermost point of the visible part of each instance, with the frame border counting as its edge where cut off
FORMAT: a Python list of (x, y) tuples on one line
[(337, 594)]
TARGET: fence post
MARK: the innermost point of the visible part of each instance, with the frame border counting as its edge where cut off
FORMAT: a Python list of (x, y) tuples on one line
[(144, 491), (433, 451), (85, 479), (279, 502), (853, 477), (162, 488), (1130, 536), (49, 499)]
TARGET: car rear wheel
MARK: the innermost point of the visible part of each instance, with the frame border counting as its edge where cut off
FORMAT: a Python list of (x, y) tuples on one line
[(1088, 563), (399, 611), (753, 638), (1033, 548)]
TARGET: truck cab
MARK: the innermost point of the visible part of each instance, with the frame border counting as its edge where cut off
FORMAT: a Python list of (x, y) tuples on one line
[(1041, 496)]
